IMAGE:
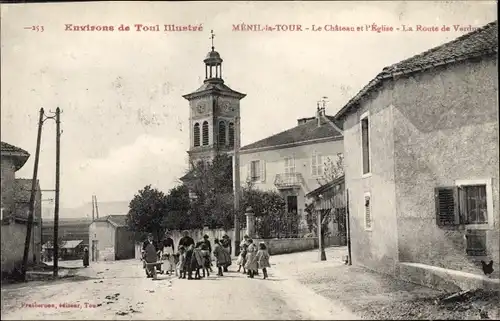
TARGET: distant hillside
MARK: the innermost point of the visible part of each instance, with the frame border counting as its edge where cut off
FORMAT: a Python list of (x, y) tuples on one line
[(85, 211)]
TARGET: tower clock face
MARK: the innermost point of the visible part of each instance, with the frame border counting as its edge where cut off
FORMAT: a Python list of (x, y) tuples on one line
[(227, 106), (201, 108)]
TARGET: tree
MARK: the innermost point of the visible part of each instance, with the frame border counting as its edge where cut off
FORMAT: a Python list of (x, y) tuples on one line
[(146, 212), (333, 169), (179, 215), (212, 185), (269, 208)]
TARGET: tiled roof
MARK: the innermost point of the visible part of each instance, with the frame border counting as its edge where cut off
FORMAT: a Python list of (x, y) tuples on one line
[(22, 189), (11, 148), (300, 133), (119, 220), (116, 220), (481, 42), (71, 244)]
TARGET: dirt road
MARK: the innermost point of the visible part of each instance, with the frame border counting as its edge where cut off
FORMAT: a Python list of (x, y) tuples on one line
[(119, 290)]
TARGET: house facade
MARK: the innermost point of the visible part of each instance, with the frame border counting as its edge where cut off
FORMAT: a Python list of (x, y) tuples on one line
[(110, 239), (422, 158), (15, 197), (292, 162)]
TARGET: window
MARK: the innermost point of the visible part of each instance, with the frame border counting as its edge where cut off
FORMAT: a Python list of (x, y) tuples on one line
[(255, 171), (365, 143), (205, 133), (196, 135), (316, 164), (473, 201), (368, 211), (222, 133), (289, 166), (467, 203), (476, 242), (231, 134)]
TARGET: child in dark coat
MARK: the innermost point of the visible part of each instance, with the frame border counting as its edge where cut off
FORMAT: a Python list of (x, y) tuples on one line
[(222, 257)]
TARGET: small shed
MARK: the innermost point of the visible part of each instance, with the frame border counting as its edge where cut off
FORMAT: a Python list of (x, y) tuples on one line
[(110, 239), (330, 201)]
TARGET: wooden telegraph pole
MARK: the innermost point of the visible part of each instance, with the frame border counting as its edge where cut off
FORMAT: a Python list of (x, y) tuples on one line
[(236, 185), (29, 228), (56, 210)]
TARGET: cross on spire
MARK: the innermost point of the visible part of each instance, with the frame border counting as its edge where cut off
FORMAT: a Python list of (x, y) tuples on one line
[(212, 36)]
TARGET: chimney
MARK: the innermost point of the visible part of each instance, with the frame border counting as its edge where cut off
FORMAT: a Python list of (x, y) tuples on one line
[(319, 113)]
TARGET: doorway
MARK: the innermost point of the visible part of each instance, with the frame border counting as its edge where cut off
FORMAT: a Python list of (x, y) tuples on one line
[(95, 252), (291, 202)]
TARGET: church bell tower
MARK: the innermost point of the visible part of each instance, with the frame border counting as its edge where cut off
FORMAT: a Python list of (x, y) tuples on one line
[(213, 110)]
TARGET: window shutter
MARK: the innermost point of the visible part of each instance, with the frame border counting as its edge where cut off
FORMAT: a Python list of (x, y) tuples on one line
[(262, 170), (249, 171), (446, 206), (314, 165), (368, 214), (321, 167)]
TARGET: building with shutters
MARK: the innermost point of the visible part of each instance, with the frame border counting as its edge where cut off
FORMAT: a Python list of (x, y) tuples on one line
[(291, 162), (422, 158)]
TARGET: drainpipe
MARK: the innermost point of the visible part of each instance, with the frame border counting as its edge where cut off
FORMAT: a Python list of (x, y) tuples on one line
[(349, 258)]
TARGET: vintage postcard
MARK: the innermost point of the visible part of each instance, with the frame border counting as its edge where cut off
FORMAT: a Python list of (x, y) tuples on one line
[(250, 160)]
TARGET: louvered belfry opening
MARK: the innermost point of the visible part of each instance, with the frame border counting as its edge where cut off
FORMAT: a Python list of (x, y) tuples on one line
[(231, 134), (222, 133), (205, 133), (196, 135)]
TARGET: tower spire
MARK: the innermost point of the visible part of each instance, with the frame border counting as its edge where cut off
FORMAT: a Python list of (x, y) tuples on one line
[(212, 36)]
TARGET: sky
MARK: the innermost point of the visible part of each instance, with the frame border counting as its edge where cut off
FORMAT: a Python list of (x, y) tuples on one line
[(124, 121)]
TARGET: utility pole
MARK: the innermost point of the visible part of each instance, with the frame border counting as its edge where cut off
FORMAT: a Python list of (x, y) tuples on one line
[(348, 222), (29, 228), (236, 185), (93, 216), (321, 240), (96, 208), (56, 209)]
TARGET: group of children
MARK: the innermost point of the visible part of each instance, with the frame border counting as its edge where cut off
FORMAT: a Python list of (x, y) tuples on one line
[(193, 257), (198, 257), (252, 259)]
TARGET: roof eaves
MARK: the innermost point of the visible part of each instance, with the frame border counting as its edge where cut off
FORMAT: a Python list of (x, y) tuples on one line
[(289, 145), (386, 73)]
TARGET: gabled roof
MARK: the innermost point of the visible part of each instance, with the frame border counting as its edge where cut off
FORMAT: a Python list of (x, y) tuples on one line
[(308, 131), (479, 43), (22, 189), (115, 220)]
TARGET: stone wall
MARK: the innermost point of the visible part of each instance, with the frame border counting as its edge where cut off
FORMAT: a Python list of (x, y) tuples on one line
[(291, 245)]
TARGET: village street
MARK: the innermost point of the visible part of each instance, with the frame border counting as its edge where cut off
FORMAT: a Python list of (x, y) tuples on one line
[(120, 290)]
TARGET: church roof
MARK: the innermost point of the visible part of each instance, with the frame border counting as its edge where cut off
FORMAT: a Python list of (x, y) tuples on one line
[(478, 43), (210, 86), (303, 133)]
